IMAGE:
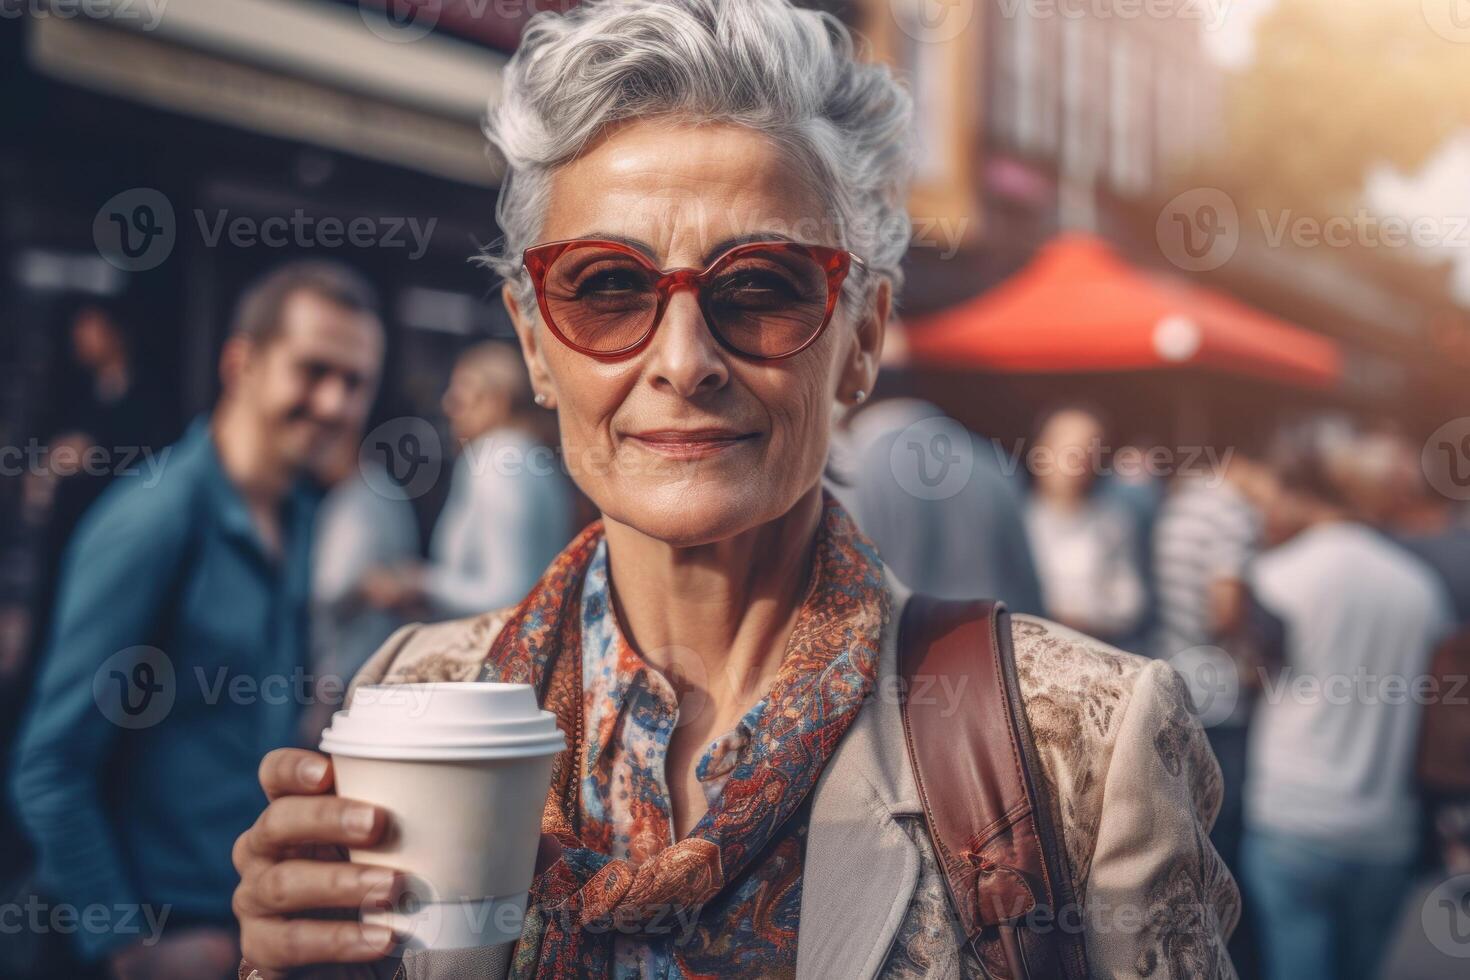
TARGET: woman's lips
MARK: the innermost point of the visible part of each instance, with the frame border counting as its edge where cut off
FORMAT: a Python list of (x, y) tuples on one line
[(690, 443)]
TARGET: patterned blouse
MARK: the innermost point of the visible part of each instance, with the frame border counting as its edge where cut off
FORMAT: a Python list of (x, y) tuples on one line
[(631, 712), (1106, 724)]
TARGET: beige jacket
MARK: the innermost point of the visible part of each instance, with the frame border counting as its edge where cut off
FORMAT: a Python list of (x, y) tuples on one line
[(1135, 783)]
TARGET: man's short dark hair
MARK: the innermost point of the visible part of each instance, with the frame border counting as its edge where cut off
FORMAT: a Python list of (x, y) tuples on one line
[(1303, 454), (258, 313)]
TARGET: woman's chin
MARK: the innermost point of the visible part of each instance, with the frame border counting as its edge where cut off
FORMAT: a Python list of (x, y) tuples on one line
[(684, 515)]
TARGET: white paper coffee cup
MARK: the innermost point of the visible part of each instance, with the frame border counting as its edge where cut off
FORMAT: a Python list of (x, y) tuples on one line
[(463, 771)]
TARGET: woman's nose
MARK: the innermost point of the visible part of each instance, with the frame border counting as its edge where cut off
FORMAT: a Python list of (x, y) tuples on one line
[(684, 356)]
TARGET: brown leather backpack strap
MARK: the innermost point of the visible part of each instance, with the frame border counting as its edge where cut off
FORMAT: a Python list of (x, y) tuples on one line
[(984, 798)]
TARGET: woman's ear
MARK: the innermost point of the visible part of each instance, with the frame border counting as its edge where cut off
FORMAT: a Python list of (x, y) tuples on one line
[(525, 326), (860, 370)]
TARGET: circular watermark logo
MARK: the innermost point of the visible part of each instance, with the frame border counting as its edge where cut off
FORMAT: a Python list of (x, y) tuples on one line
[(1446, 459), (412, 910), (1213, 682), (402, 458), (135, 230), (135, 688), (1450, 19), (933, 459), (932, 21), (1445, 917), (401, 21), (687, 674), (1199, 230)]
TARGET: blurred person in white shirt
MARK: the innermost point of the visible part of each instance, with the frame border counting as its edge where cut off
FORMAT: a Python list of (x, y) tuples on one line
[(362, 525), (1085, 544), (1331, 815), (510, 506)]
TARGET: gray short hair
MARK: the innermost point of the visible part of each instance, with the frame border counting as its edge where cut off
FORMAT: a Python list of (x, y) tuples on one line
[(792, 74)]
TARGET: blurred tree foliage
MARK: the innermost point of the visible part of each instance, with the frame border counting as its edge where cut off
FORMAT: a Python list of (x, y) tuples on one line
[(1337, 86)]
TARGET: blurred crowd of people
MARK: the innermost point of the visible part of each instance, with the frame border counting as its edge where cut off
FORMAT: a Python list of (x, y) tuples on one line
[(195, 615), (1313, 592), (270, 547)]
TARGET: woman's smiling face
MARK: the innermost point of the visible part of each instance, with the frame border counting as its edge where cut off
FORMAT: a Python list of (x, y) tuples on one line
[(686, 441)]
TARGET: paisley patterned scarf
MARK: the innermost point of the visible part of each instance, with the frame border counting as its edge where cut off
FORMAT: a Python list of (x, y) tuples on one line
[(586, 897)]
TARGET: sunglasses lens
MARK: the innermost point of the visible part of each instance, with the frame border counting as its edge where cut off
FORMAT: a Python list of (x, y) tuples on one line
[(601, 299), (767, 301), (763, 300)]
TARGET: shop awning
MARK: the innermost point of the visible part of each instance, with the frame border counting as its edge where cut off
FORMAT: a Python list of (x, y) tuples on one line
[(314, 72), (1079, 307)]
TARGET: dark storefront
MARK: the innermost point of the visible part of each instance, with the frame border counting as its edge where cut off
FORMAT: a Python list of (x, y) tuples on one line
[(219, 159)]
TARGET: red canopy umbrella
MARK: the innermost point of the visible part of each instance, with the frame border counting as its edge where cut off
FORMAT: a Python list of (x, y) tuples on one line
[(1079, 307)]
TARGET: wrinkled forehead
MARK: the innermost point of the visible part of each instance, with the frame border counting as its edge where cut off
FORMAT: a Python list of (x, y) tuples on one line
[(684, 192)]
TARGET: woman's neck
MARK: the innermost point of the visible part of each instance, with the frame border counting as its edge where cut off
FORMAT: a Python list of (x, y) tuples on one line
[(715, 617)]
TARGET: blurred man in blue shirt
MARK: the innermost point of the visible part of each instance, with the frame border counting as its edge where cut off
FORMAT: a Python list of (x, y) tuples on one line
[(177, 655)]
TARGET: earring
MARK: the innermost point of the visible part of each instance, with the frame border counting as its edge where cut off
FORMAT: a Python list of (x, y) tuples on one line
[(541, 399), (859, 396)]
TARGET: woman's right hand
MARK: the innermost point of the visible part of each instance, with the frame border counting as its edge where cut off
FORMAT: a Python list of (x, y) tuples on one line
[(292, 863)]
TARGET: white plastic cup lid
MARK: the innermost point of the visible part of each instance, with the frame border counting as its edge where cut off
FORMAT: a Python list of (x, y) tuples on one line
[(466, 720)]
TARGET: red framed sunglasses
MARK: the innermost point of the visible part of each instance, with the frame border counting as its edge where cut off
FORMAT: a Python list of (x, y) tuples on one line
[(761, 300)]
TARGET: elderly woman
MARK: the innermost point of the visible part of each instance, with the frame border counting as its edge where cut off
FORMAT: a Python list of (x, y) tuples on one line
[(696, 264)]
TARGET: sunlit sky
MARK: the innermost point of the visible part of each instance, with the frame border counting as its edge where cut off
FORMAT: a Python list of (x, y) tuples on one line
[(1437, 190), (1230, 29)]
